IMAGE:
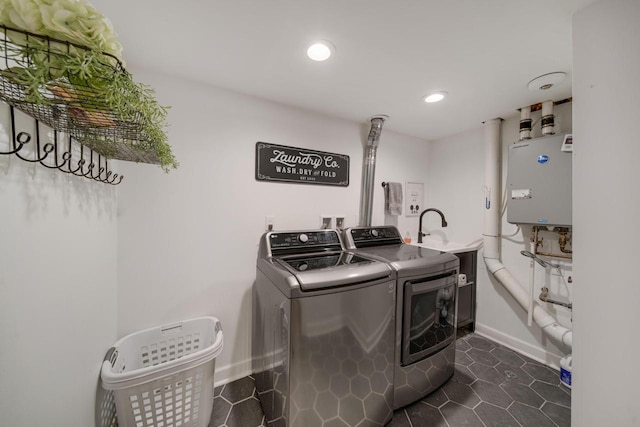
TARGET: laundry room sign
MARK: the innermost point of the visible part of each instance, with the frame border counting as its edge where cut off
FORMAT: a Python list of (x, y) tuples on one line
[(299, 165)]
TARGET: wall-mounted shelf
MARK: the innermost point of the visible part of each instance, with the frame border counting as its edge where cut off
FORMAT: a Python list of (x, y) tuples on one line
[(49, 80)]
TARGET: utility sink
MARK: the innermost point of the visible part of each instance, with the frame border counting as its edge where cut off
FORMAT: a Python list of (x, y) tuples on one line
[(447, 246)]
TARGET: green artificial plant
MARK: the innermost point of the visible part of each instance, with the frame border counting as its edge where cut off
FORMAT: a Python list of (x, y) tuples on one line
[(77, 65)]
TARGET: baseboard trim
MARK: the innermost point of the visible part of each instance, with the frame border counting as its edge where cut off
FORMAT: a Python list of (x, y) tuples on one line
[(234, 371), (536, 353)]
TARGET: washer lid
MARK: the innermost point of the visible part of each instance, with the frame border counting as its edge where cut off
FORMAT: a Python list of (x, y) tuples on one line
[(385, 244), (333, 269)]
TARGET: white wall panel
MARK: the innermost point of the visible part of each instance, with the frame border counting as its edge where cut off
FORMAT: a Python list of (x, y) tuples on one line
[(57, 290)]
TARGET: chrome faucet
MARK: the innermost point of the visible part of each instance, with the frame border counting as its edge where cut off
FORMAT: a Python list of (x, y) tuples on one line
[(439, 212)]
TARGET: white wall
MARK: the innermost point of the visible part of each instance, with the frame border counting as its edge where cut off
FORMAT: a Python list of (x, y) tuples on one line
[(607, 92), (456, 179), (188, 240), (57, 290)]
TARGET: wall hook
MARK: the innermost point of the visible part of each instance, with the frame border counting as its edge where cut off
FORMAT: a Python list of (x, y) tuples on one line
[(58, 155)]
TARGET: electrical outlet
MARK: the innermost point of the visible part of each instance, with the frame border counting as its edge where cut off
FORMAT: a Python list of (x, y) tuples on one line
[(340, 222), (326, 222), (268, 223)]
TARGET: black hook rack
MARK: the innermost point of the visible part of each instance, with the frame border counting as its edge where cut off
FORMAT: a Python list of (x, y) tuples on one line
[(384, 184), (59, 154)]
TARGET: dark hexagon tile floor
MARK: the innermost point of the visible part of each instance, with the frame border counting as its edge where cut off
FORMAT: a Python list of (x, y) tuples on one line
[(492, 386), (236, 405)]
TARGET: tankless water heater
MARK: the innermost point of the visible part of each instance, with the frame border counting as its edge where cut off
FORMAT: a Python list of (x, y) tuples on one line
[(539, 182)]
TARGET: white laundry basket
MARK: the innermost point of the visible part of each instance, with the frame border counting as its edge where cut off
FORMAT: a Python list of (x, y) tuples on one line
[(163, 377)]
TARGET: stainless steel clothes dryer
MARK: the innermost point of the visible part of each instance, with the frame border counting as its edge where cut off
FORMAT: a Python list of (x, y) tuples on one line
[(323, 332), (425, 309)]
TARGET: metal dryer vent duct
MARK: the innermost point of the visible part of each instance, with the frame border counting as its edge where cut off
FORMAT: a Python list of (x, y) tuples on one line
[(369, 170)]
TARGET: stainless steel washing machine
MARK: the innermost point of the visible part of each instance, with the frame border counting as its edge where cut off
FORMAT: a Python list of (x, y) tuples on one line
[(426, 307), (323, 332)]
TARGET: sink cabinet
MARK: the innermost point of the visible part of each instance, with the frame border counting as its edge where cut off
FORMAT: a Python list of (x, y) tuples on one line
[(467, 292)]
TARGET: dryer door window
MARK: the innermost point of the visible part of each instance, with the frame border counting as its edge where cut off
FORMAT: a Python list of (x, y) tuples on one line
[(429, 316)]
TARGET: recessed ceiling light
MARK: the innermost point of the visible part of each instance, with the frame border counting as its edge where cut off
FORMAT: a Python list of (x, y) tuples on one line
[(435, 97), (320, 50)]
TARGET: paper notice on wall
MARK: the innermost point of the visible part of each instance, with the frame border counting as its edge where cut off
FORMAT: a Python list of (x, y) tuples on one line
[(414, 200), (521, 193)]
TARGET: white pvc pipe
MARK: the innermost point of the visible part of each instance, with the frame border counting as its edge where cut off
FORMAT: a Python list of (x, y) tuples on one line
[(525, 123), (548, 121), (532, 266), (492, 183), (491, 253)]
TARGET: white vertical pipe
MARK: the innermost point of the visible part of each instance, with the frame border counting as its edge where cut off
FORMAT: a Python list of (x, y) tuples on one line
[(544, 320), (492, 187), (525, 123), (548, 121), (532, 296), (532, 266)]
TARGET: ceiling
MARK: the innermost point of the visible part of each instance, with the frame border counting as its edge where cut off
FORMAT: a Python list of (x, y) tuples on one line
[(389, 54)]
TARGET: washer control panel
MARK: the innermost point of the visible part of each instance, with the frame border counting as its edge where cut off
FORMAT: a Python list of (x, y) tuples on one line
[(319, 240)]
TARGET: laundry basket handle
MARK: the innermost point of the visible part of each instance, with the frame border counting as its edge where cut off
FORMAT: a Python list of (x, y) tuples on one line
[(171, 328), (111, 356)]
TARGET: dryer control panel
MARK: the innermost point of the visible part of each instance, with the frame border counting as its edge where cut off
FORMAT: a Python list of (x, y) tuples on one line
[(362, 237)]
